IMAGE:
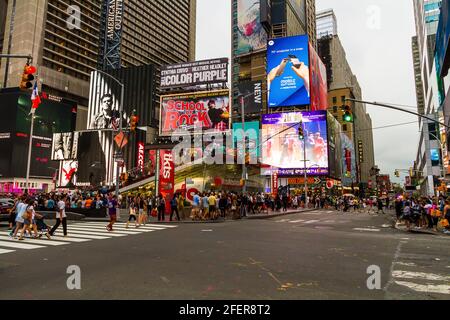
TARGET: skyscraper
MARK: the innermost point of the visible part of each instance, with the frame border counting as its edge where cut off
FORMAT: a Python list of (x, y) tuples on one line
[(66, 54), (426, 14), (326, 23)]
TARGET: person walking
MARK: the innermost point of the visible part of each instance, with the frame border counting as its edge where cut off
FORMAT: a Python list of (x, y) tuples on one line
[(174, 207), (113, 206), (61, 217), (380, 206), (132, 215), (161, 208)]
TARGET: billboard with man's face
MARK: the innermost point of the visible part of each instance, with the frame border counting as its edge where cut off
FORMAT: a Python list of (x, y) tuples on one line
[(284, 151), (251, 34), (210, 110), (288, 74)]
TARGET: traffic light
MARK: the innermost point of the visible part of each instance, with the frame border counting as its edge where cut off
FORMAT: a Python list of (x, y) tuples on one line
[(397, 173), (27, 77), (348, 114), (133, 122), (301, 133)]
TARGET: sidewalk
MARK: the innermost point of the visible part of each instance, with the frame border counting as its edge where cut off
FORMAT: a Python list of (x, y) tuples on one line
[(402, 227)]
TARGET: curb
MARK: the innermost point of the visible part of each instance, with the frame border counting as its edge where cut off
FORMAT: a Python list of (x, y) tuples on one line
[(270, 216), (419, 231)]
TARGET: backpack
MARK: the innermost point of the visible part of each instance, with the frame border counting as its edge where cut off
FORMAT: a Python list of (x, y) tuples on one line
[(173, 203)]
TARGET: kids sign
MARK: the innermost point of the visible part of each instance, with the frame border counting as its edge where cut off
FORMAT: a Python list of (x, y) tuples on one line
[(208, 110)]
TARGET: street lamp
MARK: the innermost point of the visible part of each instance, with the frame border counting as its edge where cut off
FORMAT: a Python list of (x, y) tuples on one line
[(120, 122)]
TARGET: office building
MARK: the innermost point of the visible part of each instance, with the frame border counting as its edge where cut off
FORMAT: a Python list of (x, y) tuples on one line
[(342, 85), (429, 100), (326, 23)]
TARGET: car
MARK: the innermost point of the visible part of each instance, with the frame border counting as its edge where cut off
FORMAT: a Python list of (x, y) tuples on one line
[(5, 205)]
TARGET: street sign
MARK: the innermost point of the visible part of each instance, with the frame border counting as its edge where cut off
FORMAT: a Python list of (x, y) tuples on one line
[(317, 181)]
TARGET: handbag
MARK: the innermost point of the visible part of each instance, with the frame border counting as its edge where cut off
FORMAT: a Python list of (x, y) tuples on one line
[(154, 213)]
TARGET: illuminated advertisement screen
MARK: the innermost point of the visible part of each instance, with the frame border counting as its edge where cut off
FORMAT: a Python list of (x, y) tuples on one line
[(251, 35), (65, 146), (283, 149), (184, 112), (252, 132), (288, 74), (318, 80)]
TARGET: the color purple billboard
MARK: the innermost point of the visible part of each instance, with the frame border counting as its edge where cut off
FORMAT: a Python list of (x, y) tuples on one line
[(283, 150)]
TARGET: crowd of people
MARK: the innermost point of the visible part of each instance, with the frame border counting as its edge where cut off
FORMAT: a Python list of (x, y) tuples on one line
[(424, 212), (24, 217)]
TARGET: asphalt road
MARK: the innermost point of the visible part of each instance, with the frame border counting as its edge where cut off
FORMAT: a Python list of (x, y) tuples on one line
[(315, 255)]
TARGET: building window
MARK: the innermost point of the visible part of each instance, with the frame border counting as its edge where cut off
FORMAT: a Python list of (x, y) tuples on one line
[(334, 100), (343, 99), (344, 128), (335, 109)]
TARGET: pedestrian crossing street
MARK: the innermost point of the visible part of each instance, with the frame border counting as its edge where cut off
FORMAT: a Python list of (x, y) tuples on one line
[(77, 233)]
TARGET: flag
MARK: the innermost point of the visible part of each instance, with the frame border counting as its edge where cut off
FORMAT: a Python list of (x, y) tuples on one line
[(35, 99)]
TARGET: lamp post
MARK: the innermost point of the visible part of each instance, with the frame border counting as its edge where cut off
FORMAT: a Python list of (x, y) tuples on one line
[(120, 124)]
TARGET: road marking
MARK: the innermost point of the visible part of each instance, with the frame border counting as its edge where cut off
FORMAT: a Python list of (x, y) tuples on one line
[(296, 221), (19, 245), (96, 233), (406, 264), (2, 251), (312, 221), (330, 221), (122, 223), (70, 239), (419, 275), (428, 288), (207, 231), (366, 229), (284, 220), (85, 236), (37, 241), (120, 226), (98, 229)]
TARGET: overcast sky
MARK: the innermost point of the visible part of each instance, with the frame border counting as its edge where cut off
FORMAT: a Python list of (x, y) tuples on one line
[(376, 35)]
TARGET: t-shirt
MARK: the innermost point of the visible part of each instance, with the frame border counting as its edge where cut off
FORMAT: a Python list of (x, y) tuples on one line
[(212, 201), (21, 208), (50, 204), (61, 206), (205, 202), (196, 201), (112, 207), (88, 203)]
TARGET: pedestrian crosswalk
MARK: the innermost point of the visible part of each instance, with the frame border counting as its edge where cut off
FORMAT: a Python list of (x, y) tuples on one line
[(81, 232), (307, 222)]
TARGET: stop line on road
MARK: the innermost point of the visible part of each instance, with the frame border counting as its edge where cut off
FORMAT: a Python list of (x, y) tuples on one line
[(77, 233)]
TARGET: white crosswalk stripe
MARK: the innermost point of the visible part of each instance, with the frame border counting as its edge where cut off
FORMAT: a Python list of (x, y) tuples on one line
[(312, 221), (77, 233), (423, 282), (3, 251)]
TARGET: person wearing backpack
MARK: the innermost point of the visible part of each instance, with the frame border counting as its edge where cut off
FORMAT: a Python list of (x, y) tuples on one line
[(174, 207), (61, 216)]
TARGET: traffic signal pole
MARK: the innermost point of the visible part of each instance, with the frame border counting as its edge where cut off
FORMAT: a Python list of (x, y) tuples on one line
[(13, 56)]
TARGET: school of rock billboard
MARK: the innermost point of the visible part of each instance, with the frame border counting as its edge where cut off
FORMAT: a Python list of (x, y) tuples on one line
[(194, 73), (283, 149), (251, 34), (184, 112)]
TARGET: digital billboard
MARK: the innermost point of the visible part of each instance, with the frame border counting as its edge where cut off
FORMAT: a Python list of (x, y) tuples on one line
[(252, 93), (348, 161), (68, 174), (282, 148), (251, 35), (65, 146), (210, 110), (252, 131), (105, 97), (288, 74), (95, 158), (194, 73), (334, 147), (318, 81)]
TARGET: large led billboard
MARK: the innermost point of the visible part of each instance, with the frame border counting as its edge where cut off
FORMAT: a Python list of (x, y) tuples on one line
[(194, 73), (184, 112), (253, 96), (65, 146), (251, 35), (318, 81), (284, 151), (288, 74), (252, 132)]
